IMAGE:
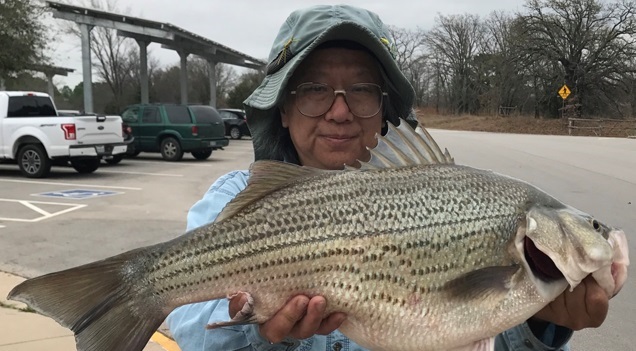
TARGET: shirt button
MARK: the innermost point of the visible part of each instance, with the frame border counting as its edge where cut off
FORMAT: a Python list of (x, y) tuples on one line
[(337, 346), (528, 343)]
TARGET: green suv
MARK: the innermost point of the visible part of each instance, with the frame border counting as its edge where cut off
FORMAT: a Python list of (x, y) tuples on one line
[(174, 129)]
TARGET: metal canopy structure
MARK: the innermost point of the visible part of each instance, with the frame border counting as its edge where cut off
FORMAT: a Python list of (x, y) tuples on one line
[(50, 72), (146, 32)]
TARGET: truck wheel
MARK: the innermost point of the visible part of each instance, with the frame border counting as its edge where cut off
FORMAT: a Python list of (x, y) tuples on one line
[(115, 159), (33, 161), (85, 166), (235, 133), (171, 149), (202, 154)]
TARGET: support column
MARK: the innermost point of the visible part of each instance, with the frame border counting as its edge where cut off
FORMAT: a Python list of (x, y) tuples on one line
[(49, 80), (184, 76), (87, 68), (143, 71), (2, 86), (212, 74)]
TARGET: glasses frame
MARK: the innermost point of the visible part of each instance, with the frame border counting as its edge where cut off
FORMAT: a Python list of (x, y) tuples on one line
[(335, 95)]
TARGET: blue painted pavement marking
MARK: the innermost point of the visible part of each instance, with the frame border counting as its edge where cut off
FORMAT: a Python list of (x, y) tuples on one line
[(78, 193)]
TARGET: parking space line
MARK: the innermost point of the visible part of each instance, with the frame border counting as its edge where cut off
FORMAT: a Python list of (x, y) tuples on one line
[(35, 208), (45, 214), (172, 163), (143, 173), (68, 184)]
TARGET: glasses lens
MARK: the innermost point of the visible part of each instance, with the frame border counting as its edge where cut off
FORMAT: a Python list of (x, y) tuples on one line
[(364, 99), (315, 99)]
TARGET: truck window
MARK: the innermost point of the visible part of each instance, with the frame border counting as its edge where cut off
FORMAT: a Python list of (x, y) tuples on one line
[(30, 106), (205, 114), (178, 114), (151, 115)]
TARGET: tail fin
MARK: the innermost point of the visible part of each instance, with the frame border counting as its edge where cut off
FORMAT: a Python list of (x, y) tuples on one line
[(98, 302)]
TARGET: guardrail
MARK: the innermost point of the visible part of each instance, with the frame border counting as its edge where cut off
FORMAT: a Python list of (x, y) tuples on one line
[(602, 127)]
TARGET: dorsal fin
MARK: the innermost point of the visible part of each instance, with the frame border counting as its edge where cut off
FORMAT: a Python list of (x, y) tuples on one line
[(266, 177), (402, 146)]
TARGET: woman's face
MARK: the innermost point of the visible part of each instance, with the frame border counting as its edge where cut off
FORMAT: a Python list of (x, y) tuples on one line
[(337, 137)]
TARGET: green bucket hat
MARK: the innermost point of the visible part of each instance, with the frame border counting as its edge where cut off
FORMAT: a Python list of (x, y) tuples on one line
[(302, 32)]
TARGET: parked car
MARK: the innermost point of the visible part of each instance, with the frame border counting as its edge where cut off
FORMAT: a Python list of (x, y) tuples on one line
[(36, 136), (235, 122), (173, 129), (128, 139)]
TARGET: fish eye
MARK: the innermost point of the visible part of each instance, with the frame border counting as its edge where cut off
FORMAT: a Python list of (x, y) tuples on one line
[(596, 225)]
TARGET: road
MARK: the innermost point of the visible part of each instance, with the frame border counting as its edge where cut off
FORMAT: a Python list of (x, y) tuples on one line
[(145, 201)]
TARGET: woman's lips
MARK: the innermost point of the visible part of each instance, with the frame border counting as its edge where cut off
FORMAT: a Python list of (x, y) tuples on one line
[(338, 139)]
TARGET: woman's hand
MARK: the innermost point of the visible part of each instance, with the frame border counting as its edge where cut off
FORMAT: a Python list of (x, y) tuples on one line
[(585, 307), (300, 318)]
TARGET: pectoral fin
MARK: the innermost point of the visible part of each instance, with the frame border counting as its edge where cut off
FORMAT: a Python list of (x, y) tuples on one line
[(482, 283)]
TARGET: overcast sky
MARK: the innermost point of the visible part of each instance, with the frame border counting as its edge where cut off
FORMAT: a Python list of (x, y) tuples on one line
[(250, 26)]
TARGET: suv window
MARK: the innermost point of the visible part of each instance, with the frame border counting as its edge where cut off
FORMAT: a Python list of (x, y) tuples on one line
[(151, 115), (30, 106), (205, 114), (130, 115), (178, 114)]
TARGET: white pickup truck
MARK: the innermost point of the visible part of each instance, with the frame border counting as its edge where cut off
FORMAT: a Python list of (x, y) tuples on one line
[(34, 136)]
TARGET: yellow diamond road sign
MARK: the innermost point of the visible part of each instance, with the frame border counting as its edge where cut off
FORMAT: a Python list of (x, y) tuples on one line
[(564, 92)]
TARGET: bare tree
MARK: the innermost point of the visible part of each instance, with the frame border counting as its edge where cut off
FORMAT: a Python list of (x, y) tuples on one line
[(591, 40), (116, 57), (413, 60), (199, 80), (455, 41)]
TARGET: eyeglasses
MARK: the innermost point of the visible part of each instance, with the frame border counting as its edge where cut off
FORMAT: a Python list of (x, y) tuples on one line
[(315, 99)]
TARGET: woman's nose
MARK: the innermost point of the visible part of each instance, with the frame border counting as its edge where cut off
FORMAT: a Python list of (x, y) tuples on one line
[(339, 110)]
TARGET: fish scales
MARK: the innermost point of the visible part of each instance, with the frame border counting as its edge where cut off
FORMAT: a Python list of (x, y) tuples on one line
[(400, 250), (396, 253), (333, 211)]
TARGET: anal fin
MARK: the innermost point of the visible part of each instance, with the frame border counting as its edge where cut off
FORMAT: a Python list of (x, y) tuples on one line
[(244, 316)]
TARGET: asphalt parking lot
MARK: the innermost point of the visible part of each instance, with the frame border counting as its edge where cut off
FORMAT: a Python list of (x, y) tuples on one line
[(70, 218), (145, 200)]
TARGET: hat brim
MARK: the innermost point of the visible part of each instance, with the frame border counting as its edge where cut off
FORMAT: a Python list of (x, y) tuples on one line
[(268, 94)]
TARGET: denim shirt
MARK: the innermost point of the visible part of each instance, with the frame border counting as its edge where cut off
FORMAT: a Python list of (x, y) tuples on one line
[(187, 323)]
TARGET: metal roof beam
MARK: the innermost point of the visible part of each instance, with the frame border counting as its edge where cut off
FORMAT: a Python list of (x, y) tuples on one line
[(99, 22)]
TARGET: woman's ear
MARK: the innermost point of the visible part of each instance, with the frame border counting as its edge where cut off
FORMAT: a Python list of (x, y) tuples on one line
[(284, 119)]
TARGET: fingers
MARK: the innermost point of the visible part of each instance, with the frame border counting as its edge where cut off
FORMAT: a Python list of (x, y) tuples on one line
[(309, 323), (584, 307), (331, 323), (596, 303), (301, 318), (282, 323)]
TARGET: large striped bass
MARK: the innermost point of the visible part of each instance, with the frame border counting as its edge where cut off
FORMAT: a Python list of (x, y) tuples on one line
[(420, 253)]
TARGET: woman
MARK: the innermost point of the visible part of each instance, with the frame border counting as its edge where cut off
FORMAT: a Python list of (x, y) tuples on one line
[(332, 83)]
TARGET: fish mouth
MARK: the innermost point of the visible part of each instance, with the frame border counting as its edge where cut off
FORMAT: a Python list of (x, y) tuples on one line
[(540, 264)]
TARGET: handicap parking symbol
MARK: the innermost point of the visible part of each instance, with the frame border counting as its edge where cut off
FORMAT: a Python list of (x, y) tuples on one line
[(78, 194)]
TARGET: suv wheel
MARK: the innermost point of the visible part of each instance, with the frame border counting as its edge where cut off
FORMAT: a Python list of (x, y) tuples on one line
[(171, 149), (235, 133), (202, 154), (33, 161), (86, 165)]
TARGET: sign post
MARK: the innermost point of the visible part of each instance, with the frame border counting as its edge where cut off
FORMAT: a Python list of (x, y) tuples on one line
[(564, 92)]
